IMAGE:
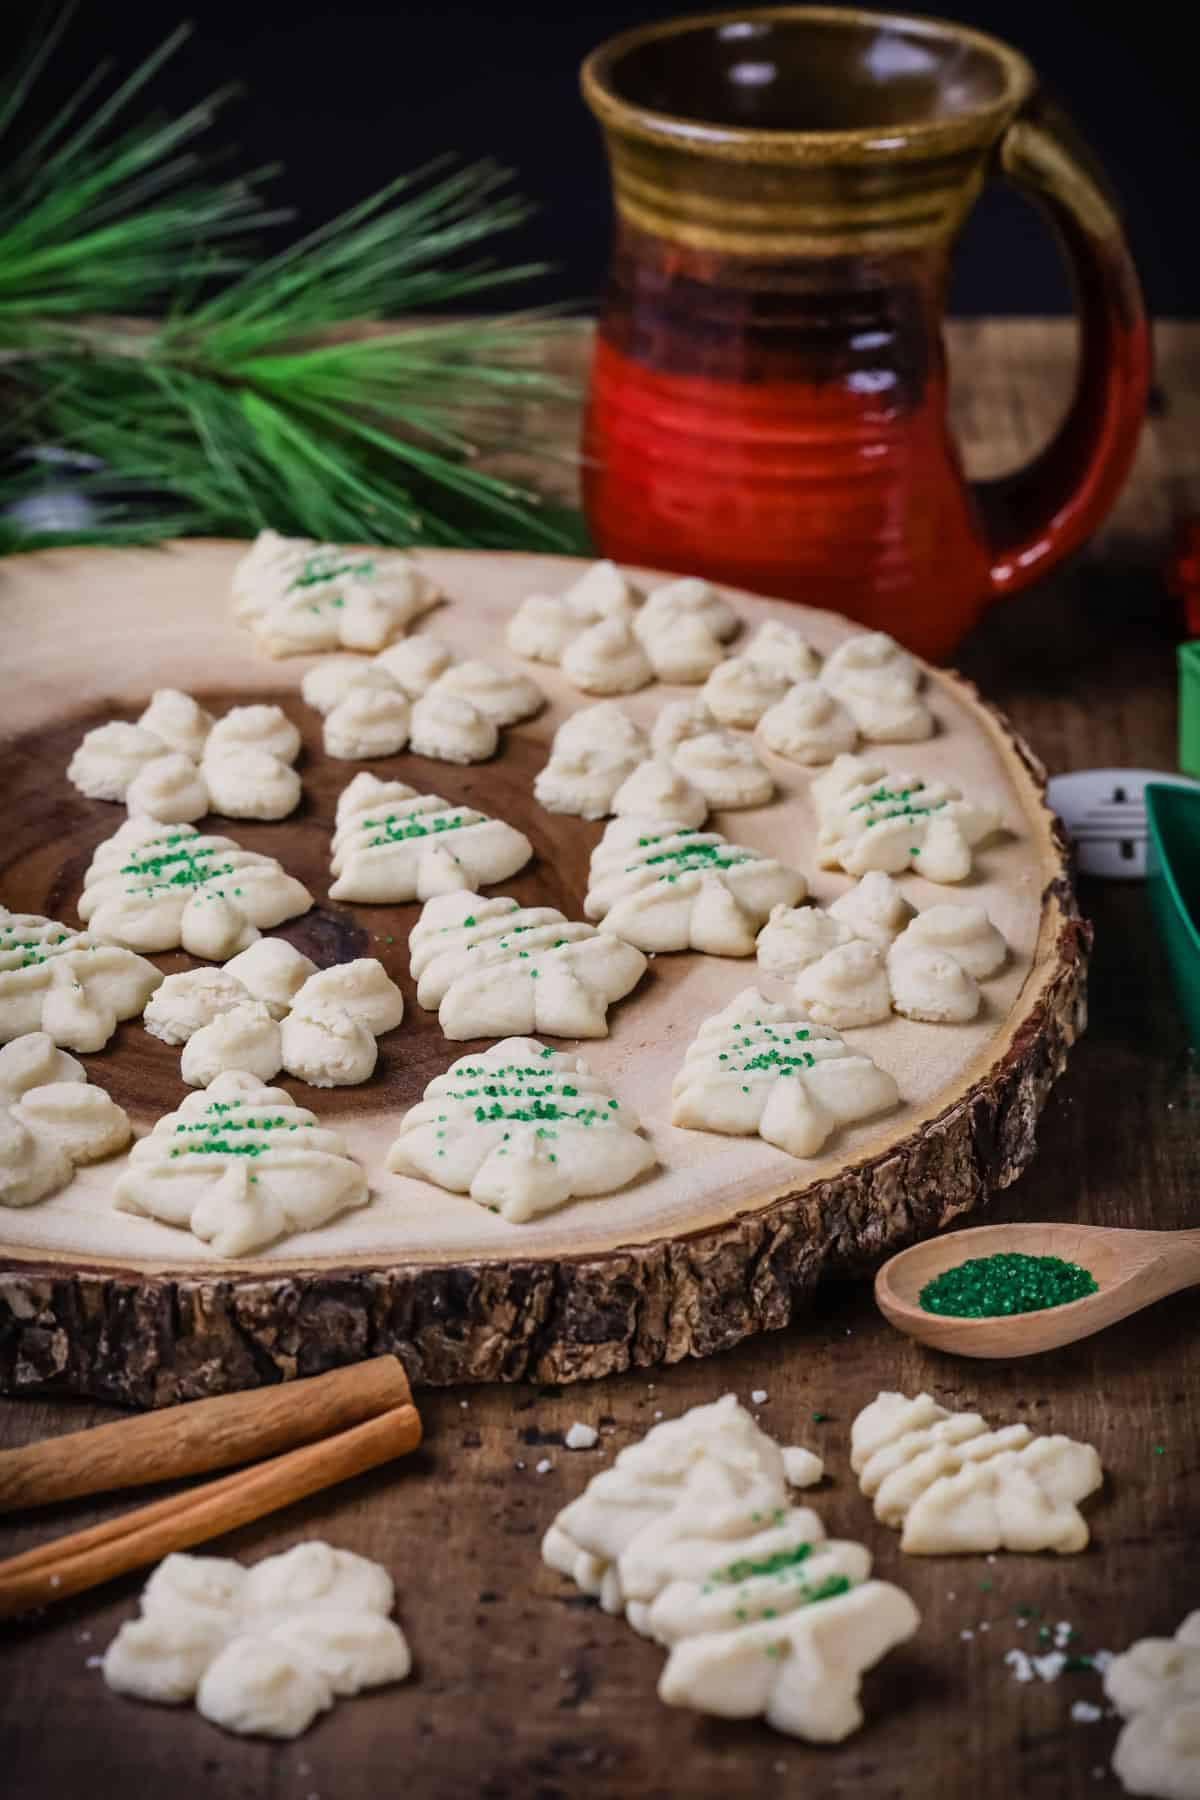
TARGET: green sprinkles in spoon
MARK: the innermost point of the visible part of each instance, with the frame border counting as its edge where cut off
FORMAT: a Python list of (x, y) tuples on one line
[(989, 1287)]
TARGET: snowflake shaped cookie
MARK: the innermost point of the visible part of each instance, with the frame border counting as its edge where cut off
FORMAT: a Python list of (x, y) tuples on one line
[(764, 1068), (692, 1533), (66, 983), (953, 1485), (51, 1120), (239, 1165), (420, 694), (870, 954), (298, 596), (1155, 1686), (492, 968), (522, 1129), (609, 641), (871, 817), (394, 844), (262, 1650), (270, 1009), (178, 763), (667, 887), (166, 887)]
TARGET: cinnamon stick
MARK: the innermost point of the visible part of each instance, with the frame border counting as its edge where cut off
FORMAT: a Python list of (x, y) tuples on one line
[(199, 1435), (85, 1559)]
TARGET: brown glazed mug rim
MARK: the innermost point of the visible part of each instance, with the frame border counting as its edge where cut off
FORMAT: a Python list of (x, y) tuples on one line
[(977, 124)]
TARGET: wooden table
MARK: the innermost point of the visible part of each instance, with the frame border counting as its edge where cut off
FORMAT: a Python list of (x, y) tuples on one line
[(523, 1689)]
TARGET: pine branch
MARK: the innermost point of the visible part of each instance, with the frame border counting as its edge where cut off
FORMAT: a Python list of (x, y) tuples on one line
[(235, 409)]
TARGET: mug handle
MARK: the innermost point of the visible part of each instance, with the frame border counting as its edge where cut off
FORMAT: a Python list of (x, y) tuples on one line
[(1041, 513)]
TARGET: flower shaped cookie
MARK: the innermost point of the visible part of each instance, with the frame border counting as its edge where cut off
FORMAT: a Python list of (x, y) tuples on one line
[(165, 887), (270, 1009), (869, 687), (494, 967), (239, 1165), (417, 693), (394, 844), (870, 954), (667, 887), (723, 764), (522, 1129), (176, 763), (879, 685), (298, 596), (262, 1650), (51, 1120), (66, 983), (601, 763), (608, 641), (763, 1068), (1155, 1686)]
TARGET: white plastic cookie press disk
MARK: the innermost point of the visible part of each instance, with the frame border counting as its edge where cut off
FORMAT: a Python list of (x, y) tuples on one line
[(1104, 812)]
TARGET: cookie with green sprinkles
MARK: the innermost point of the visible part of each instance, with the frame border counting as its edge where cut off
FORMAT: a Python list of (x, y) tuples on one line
[(692, 1533), (764, 1068), (166, 887), (664, 886), (394, 844), (298, 596), (522, 1129), (493, 967), (239, 1165), (872, 817)]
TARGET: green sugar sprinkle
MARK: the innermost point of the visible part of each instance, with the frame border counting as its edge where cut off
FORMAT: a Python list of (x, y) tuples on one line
[(396, 830), (325, 567), (988, 1287), (746, 1566)]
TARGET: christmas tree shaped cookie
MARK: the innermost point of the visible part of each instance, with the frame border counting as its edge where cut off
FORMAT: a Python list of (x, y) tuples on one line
[(240, 1165), (691, 1533), (394, 844), (164, 887), (871, 817), (494, 967), (298, 596), (664, 886), (522, 1129), (764, 1068), (952, 1484)]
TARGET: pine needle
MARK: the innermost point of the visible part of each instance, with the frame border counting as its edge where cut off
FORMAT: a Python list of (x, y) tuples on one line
[(227, 405)]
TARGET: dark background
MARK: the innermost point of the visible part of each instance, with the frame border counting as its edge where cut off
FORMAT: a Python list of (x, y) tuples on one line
[(349, 96)]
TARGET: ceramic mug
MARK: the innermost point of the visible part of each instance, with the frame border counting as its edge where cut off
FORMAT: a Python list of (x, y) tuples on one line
[(768, 395)]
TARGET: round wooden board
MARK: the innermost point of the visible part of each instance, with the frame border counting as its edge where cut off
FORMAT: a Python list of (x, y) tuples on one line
[(728, 1237)]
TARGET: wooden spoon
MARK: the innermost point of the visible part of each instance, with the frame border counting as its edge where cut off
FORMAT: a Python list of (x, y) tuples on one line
[(1133, 1269)]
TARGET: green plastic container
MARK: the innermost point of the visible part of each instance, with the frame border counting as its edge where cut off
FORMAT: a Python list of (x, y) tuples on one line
[(1189, 707), (1173, 880)]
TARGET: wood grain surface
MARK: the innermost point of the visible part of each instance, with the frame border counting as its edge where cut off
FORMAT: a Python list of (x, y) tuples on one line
[(521, 1689), (722, 1237)]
